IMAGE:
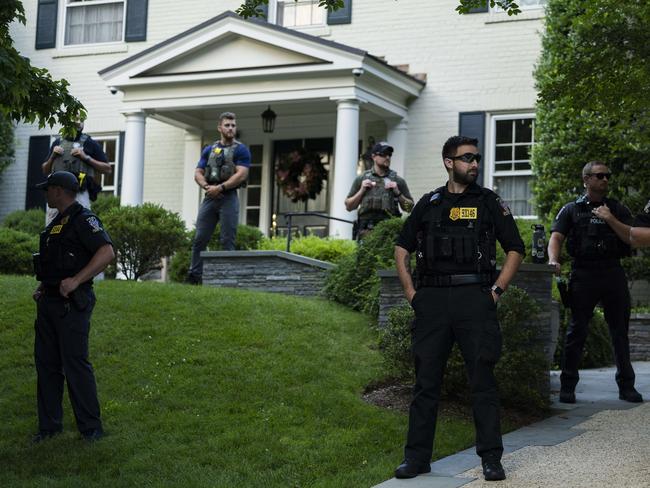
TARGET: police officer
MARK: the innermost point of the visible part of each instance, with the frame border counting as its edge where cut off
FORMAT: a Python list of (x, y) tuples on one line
[(379, 192), (596, 276), (73, 249), (454, 230), (81, 156), (637, 235), (222, 169)]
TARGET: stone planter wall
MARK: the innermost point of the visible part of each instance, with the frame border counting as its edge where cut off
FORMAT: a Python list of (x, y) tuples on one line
[(640, 337), (271, 271)]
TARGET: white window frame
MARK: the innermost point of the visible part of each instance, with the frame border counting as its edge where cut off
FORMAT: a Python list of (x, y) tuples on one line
[(497, 9), (273, 16), (63, 17), (99, 139), (490, 172)]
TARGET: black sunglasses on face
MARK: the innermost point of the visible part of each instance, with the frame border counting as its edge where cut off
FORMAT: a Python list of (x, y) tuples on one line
[(600, 176), (468, 157)]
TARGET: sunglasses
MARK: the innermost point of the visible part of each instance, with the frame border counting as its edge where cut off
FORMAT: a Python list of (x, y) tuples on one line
[(600, 176), (468, 157)]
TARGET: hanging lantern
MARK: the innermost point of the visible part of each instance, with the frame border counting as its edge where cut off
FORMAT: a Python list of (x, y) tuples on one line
[(268, 120)]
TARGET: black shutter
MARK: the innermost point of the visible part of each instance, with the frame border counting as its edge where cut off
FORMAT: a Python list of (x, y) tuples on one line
[(342, 15), (46, 24), (120, 164), (472, 124), (479, 10), (39, 150), (136, 20)]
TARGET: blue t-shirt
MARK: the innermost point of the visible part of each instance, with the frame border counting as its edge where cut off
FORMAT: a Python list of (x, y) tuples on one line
[(242, 156)]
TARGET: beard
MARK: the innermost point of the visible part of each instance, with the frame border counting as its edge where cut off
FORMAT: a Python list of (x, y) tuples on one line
[(465, 178)]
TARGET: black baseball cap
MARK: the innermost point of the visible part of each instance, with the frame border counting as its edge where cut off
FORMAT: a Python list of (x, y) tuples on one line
[(382, 148), (64, 179)]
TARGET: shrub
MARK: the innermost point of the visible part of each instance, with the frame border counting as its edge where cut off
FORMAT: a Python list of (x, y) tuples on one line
[(142, 236), (104, 204), (29, 221), (325, 249), (16, 249), (522, 371), (354, 281), (598, 349)]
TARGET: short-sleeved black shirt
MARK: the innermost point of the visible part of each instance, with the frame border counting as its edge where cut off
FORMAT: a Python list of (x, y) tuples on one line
[(643, 219), (77, 232), (497, 215), (564, 220)]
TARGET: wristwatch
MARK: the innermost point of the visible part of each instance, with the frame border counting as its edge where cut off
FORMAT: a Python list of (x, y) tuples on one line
[(497, 289)]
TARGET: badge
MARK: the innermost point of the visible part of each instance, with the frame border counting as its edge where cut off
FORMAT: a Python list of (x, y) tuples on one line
[(56, 229), (504, 207), (454, 213), (217, 150), (468, 213), (94, 223)]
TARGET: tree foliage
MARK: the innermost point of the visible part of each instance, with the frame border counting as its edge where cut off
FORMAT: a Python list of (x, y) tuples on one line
[(253, 8), (594, 100), (29, 93)]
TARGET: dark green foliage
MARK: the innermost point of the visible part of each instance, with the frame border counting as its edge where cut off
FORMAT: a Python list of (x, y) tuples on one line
[(354, 281), (16, 249), (104, 204), (598, 349), (29, 221), (324, 249), (142, 236), (6, 143), (522, 371)]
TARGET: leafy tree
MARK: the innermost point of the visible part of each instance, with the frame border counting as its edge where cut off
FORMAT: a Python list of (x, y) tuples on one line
[(594, 100), (252, 8), (26, 92)]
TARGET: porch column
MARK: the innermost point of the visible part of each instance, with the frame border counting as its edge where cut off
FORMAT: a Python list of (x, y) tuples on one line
[(345, 165), (191, 191), (133, 170), (398, 138)]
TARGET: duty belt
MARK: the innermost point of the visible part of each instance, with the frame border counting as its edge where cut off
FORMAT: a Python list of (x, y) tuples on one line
[(455, 280), (596, 263)]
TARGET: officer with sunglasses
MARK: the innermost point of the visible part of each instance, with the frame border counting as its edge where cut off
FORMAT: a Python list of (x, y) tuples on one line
[(453, 231), (596, 276)]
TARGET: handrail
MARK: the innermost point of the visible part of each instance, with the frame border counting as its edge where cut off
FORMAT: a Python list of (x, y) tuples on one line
[(288, 216)]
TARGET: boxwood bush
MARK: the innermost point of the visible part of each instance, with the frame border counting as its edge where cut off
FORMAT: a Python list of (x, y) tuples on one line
[(29, 221), (16, 249), (325, 249)]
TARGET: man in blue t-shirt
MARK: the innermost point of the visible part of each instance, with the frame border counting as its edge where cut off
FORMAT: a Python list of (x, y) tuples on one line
[(222, 169)]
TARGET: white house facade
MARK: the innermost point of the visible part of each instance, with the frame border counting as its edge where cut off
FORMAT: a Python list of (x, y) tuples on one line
[(154, 76)]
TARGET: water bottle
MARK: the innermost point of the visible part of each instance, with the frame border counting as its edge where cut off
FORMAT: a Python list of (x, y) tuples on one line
[(539, 244)]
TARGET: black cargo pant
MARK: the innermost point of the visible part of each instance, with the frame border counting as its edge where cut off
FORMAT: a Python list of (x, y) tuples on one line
[(61, 352), (587, 288), (466, 315)]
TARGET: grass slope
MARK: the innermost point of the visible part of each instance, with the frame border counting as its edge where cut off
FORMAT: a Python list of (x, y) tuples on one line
[(208, 387)]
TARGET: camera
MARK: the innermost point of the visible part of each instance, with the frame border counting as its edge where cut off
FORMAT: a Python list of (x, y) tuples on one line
[(357, 72), (113, 90)]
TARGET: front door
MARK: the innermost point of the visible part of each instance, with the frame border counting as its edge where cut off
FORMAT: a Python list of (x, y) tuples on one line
[(282, 204)]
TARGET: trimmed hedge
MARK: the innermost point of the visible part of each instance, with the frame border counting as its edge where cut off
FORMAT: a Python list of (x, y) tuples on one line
[(16, 249), (325, 249), (29, 221)]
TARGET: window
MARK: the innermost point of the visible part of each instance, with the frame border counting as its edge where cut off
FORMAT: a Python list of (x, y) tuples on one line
[(110, 146), (252, 195), (513, 138), (93, 21), (303, 13), (526, 5)]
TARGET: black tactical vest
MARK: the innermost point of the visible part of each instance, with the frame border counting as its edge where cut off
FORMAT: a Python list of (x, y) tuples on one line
[(220, 165), (467, 247), (590, 238), (378, 199), (72, 164)]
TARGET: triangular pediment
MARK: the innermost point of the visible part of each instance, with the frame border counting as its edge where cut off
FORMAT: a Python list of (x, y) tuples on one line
[(228, 53)]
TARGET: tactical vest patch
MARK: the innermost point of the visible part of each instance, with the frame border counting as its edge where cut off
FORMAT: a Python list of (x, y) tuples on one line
[(56, 229), (94, 223), (504, 207), (465, 213)]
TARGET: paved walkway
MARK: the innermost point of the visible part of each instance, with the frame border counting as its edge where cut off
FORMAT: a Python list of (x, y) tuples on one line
[(599, 442)]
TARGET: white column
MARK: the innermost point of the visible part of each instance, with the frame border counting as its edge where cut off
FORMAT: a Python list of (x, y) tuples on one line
[(398, 138), (345, 165), (191, 191), (133, 166)]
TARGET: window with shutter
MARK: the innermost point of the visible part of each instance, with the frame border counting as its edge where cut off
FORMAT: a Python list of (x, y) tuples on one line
[(94, 21)]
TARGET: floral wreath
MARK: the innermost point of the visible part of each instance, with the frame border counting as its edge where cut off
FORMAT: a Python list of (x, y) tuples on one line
[(300, 175)]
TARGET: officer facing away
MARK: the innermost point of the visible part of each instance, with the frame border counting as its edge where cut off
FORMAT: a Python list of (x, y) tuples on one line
[(81, 156), (379, 192), (637, 235), (454, 230), (222, 169), (73, 249), (596, 276)]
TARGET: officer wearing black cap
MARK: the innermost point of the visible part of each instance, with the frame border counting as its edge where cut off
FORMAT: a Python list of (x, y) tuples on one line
[(596, 276), (636, 235), (73, 249), (379, 192), (453, 231)]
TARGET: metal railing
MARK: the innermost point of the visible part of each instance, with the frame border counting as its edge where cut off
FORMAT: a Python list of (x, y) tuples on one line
[(290, 215)]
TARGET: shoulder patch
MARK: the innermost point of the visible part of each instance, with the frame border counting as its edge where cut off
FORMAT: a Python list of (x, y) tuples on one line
[(435, 198), (560, 212), (94, 224), (504, 207)]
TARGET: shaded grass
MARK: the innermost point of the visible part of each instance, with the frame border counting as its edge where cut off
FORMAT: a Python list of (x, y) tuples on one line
[(209, 387)]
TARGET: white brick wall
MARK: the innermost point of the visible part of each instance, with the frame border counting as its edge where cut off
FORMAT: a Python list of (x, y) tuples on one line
[(473, 62)]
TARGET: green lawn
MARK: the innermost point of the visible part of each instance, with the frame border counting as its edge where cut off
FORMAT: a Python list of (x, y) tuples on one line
[(209, 387)]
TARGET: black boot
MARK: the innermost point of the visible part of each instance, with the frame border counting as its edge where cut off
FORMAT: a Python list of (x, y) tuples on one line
[(411, 468), (567, 396), (630, 395), (493, 470)]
